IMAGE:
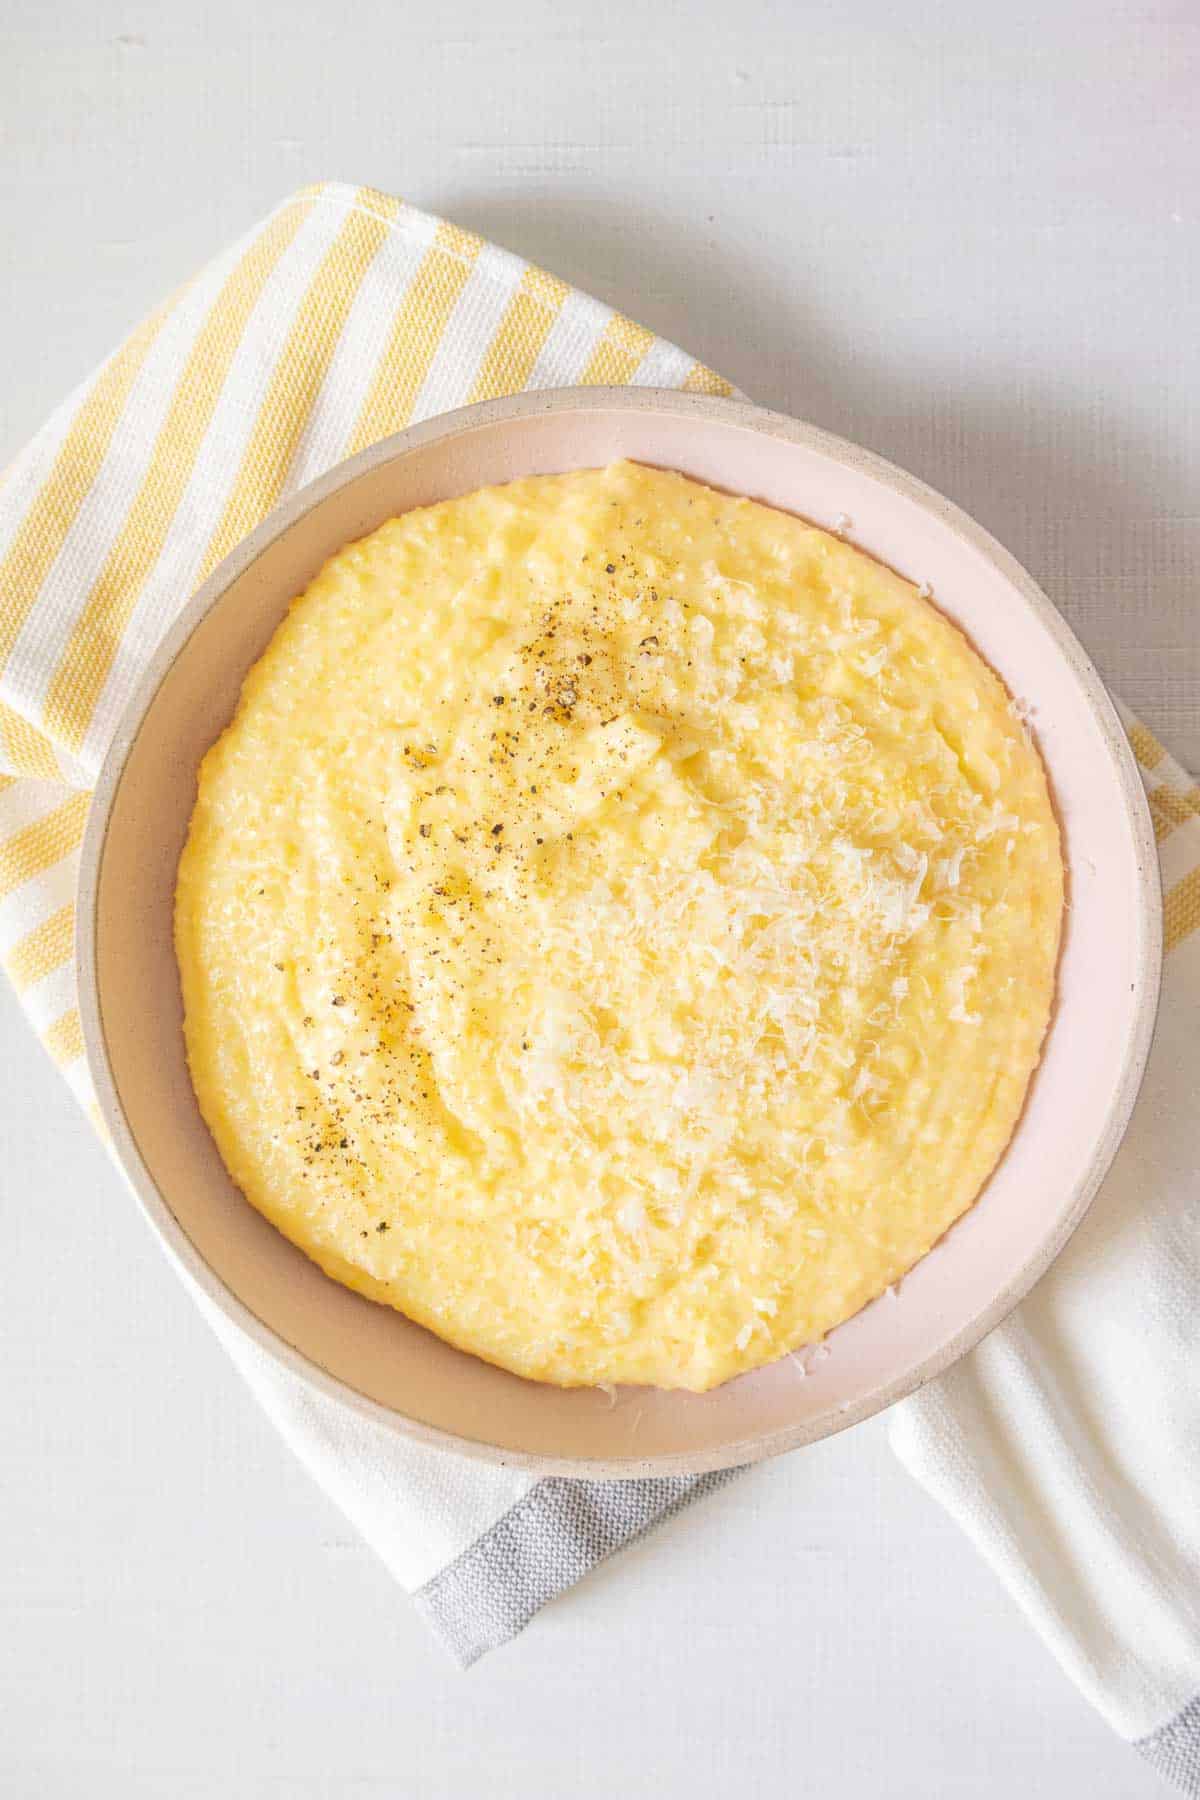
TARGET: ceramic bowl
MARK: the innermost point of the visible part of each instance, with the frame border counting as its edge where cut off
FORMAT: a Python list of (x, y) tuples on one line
[(369, 1356)]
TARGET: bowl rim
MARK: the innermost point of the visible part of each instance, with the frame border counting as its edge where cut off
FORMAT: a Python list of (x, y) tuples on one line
[(194, 1268)]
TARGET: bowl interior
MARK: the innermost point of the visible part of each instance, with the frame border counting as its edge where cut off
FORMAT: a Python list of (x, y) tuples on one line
[(1079, 1100)]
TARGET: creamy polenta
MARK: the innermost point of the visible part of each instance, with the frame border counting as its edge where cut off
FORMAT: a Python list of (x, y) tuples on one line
[(618, 927)]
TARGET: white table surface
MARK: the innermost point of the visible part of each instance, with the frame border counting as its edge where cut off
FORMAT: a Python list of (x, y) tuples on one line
[(964, 235)]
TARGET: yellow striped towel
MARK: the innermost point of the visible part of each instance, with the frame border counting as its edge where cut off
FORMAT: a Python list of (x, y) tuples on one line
[(343, 317)]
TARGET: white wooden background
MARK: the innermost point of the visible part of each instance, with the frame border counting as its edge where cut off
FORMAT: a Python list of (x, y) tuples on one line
[(966, 235)]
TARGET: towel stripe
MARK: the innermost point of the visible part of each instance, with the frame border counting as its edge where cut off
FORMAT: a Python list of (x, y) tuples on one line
[(664, 365), (92, 645), (45, 948), (616, 357), (32, 849), (50, 999), (705, 381), (23, 750), (98, 521), (1146, 747), (37, 897), (359, 348), (298, 376), (1170, 809), (510, 357), (471, 327), (45, 526), (216, 466), (1181, 909), (64, 1039), (416, 333)]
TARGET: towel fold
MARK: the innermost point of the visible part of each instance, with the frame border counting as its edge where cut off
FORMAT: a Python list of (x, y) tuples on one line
[(1068, 1445)]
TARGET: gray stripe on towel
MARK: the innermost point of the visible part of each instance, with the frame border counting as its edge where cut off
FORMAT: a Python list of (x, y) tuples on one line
[(1175, 1749), (548, 1540)]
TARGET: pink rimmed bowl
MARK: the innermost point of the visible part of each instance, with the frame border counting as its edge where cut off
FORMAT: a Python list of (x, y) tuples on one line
[(369, 1356)]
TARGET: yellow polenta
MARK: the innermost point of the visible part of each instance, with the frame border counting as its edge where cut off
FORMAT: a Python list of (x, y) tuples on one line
[(618, 927)]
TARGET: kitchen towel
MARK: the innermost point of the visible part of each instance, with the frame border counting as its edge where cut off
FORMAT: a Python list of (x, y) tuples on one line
[(344, 316)]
